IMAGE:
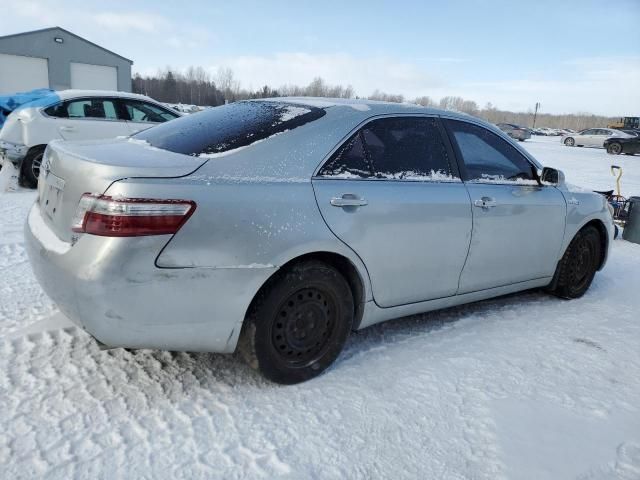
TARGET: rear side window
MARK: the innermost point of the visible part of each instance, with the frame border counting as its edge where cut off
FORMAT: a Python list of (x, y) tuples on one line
[(398, 148), (228, 127), (406, 148), (92, 108), (349, 161), (58, 110), (487, 157)]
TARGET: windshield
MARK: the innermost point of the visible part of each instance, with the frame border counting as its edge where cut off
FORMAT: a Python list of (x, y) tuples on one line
[(228, 127)]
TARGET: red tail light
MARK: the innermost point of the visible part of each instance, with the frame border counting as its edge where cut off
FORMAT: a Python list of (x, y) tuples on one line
[(130, 217)]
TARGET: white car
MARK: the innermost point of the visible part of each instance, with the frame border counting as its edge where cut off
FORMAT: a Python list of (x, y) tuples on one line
[(73, 115), (592, 137)]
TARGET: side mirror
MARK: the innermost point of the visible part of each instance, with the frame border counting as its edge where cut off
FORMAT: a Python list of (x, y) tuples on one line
[(552, 176)]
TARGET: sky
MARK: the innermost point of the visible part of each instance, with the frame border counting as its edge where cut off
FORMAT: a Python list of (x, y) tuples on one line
[(571, 56)]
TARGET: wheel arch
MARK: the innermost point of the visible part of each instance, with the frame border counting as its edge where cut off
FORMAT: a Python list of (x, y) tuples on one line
[(341, 263), (604, 239)]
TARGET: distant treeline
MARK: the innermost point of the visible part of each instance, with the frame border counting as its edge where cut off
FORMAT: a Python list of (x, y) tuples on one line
[(197, 86)]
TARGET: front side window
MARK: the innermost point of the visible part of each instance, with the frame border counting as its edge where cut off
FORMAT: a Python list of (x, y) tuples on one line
[(143, 112), (487, 157)]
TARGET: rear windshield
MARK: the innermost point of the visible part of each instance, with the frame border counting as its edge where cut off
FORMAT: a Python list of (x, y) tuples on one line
[(228, 127)]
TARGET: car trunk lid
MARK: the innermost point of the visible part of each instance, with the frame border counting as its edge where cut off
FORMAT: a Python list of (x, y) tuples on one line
[(70, 170)]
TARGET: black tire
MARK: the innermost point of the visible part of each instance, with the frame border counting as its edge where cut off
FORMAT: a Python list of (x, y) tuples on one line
[(31, 167), (298, 324), (569, 142), (614, 148), (579, 264)]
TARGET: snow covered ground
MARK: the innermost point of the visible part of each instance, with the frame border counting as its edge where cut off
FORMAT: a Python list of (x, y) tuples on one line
[(524, 387)]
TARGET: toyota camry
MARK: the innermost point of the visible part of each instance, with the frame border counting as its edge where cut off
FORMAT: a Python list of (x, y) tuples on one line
[(279, 226)]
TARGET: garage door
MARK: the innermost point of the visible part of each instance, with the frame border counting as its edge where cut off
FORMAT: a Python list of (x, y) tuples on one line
[(93, 77), (20, 74)]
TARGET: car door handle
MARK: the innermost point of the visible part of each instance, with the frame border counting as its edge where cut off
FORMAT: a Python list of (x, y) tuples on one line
[(67, 128), (348, 200), (485, 202)]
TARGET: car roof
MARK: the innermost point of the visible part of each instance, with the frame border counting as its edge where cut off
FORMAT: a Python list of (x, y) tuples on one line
[(369, 107), (73, 93)]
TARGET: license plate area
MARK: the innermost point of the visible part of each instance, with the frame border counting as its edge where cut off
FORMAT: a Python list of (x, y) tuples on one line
[(51, 196)]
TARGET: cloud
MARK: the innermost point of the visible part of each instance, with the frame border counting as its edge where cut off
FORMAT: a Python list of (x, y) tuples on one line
[(132, 21), (299, 68), (606, 86)]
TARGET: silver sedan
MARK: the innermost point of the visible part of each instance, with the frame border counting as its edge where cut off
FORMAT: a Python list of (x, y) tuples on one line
[(592, 137), (278, 226)]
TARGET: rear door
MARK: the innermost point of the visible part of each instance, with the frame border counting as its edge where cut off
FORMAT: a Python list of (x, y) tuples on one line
[(587, 138), (88, 119), (142, 115), (393, 194), (518, 225)]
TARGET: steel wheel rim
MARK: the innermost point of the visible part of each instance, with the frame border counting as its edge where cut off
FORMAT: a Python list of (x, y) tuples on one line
[(569, 142), (582, 264), (36, 163), (615, 148), (304, 326)]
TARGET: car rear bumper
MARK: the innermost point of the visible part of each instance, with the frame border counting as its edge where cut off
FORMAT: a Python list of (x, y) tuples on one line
[(112, 289)]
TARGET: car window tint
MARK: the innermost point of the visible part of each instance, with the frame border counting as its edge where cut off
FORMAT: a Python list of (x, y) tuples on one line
[(487, 157), (146, 112), (348, 161), (58, 110), (588, 132), (228, 127), (406, 148), (92, 108)]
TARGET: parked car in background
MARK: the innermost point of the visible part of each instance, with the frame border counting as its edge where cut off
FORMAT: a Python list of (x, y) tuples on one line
[(635, 133), (281, 225), (73, 115), (618, 145), (592, 137), (515, 131)]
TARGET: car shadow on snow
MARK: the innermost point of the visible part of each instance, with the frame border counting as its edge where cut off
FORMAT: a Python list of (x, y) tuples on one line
[(174, 375)]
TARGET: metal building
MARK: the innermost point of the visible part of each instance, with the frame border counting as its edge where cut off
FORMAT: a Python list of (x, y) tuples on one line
[(58, 59)]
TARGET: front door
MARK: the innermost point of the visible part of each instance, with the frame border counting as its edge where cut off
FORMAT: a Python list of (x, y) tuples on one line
[(518, 225), (142, 115), (392, 193)]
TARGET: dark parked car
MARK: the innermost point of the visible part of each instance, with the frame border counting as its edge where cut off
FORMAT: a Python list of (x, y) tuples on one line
[(515, 131), (618, 145)]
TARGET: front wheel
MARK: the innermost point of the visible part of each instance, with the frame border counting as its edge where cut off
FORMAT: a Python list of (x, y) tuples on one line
[(298, 323), (569, 142), (579, 264), (614, 148)]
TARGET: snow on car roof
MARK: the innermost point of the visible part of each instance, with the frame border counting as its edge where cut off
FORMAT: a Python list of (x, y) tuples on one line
[(72, 93)]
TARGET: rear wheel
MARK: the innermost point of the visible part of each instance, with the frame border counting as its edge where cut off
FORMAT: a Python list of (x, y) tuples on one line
[(579, 264), (30, 169), (569, 142), (614, 148), (298, 324)]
